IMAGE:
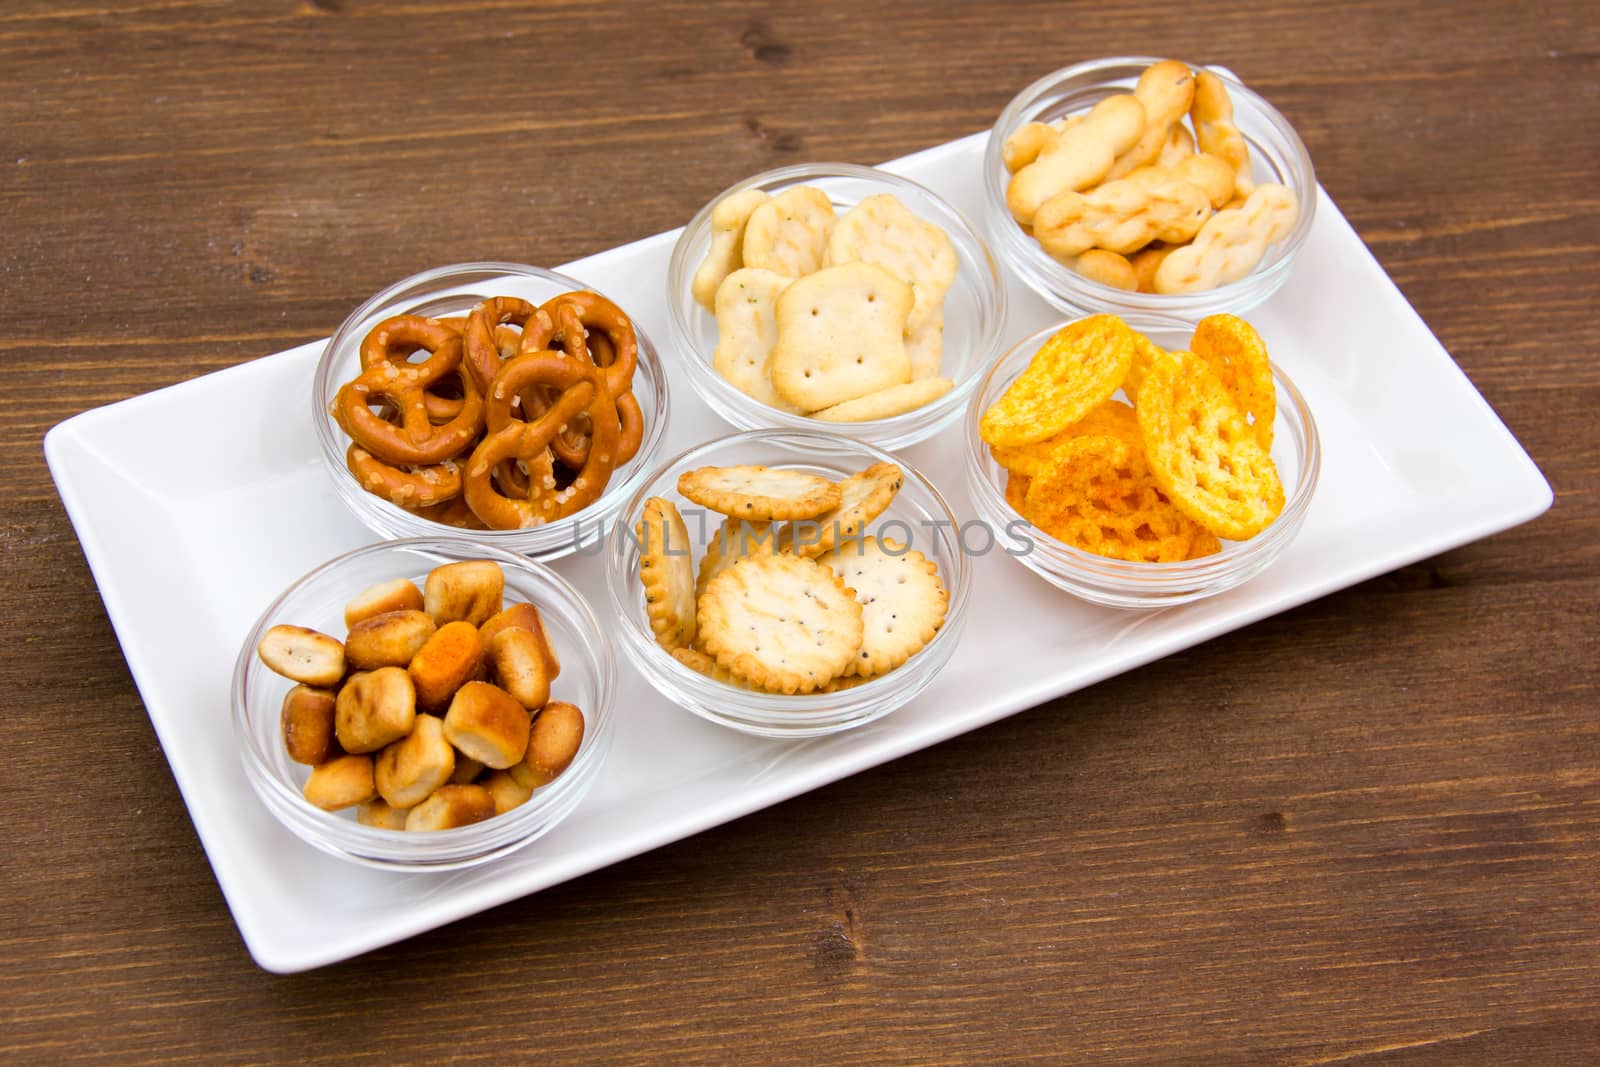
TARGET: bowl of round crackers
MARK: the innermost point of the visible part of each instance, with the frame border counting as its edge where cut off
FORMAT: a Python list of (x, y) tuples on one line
[(789, 583), (1136, 184), (835, 296), (1143, 460)]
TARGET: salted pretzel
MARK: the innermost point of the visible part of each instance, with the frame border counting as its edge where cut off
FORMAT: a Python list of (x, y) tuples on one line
[(415, 487), (415, 440), (392, 341), (481, 335), (582, 391), (585, 325)]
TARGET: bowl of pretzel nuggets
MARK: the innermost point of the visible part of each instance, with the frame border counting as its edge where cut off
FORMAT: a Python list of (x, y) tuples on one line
[(833, 296), (789, 583), (1144, 461), (505, 402), (1147, 185), (424, 704)]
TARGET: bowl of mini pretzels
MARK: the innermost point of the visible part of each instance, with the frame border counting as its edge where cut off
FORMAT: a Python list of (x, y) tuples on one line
[(1138, 184), (424, 704), (788, 583), (836, 297), (506, 403)]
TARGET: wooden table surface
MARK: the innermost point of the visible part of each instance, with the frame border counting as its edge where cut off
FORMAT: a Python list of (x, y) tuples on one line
[(1367, 828)]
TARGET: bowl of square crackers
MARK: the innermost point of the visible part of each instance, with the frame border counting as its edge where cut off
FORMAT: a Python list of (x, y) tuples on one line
[(1143, 461), (834, 296), (1136, 184), (789, 583)]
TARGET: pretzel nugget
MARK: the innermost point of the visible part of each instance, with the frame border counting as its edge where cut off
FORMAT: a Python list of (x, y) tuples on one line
[(374, 709), (398, 594), (1212, 114), (527, 617), (488, 724), (414, 766), (1166, 89), (1078, 157), (449, 659), (1077, 369), (1231, 243), (307, 721), (451, 806), (378, 814), (725, 255), (519, 666), (507, 792), (469, 590), (1121, 216), (1202, 453), (340, 783), (302, 655), (387, 640), (789, 233), (556, 736)]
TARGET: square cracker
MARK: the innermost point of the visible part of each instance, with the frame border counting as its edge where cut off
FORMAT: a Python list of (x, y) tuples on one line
[(747, 328), (789, 233), (882, 230), (887, 403), (725, 255), (841, 334)]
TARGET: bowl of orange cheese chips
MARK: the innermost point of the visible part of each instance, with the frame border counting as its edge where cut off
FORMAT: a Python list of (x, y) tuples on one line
[(1144, 461)]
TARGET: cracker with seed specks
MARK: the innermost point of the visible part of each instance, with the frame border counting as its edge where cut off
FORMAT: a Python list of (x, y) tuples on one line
[(882, 230), (760, 493), (781, 622), (887, 403), (726, 253), (734, 540), (903, 600), (666, 570), (747, 328), (789, 233), (841, 334), (862, 497)]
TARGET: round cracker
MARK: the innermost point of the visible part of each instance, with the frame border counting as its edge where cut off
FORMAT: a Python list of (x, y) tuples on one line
[(903, 601), (780, 622), (862, 497), (666, 570), (761, 494), (734, 540)]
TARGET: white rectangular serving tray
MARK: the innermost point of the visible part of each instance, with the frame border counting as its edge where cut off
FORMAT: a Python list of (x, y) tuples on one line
[(198, 504)]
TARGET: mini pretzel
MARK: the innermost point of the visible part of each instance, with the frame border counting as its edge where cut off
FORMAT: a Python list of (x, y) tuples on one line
[(482, 334), (587, 325), (416, 487), (583, 390), (392, 341), (416, 440)]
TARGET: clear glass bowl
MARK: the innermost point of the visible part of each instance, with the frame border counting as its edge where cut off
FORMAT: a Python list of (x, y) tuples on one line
[(918, 515), (454, 290), (974, 309), (1276, 153), (1296, 449), (588, 679)]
